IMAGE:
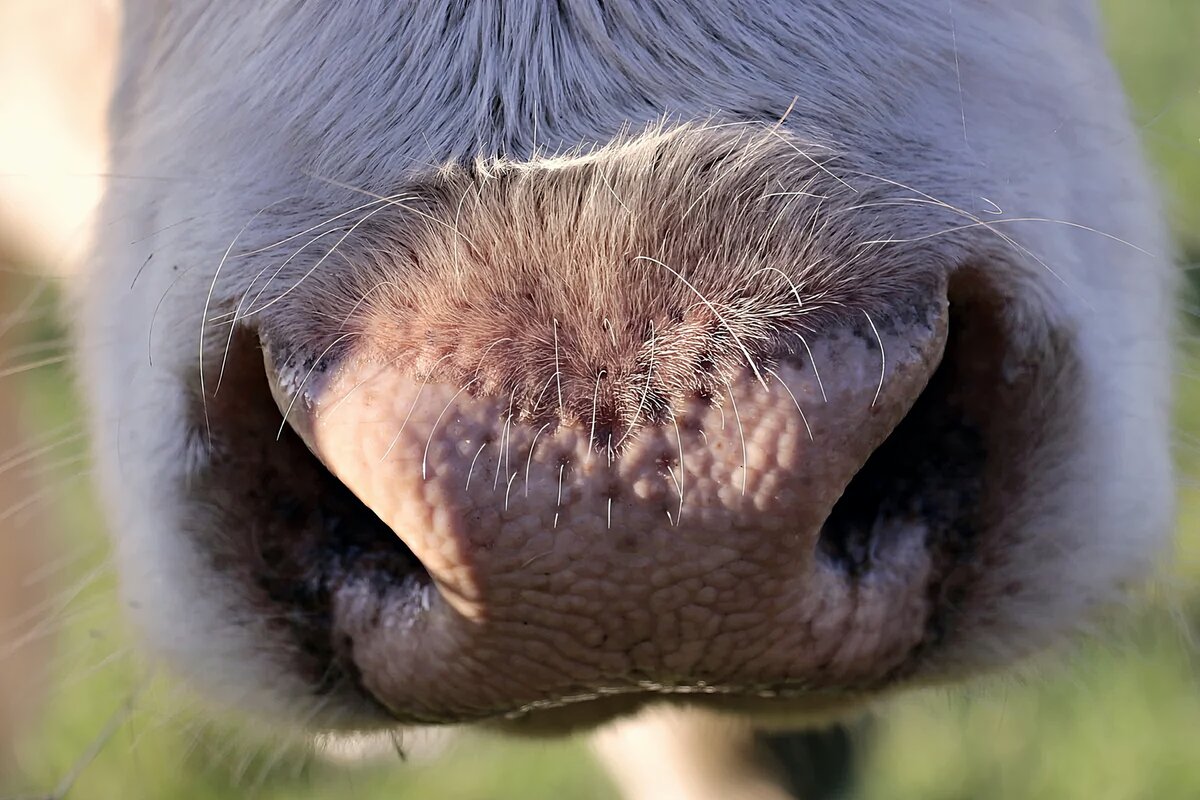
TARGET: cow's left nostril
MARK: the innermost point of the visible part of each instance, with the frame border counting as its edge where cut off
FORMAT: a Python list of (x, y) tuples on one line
[(928, 473)]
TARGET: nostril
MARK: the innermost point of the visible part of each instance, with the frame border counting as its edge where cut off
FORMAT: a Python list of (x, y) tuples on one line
[(310, 538), (938, 477), (926, 476)]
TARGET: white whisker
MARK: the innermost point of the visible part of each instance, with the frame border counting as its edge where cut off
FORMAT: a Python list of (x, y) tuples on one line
[(436, 422), (713, 309), (408, 416), (471, 470), (529, 461), (787, 389), (882, 358), (742, 436), (300, 389)]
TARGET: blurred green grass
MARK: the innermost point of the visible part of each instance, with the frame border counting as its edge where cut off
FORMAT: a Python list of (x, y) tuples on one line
[(1110, 721), (1156, 46)]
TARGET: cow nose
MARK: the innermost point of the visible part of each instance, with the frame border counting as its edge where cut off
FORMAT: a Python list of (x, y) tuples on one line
[(579, 548), (612, 405)]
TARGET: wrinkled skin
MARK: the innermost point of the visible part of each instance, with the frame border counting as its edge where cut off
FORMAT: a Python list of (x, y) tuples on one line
[(540, 365)]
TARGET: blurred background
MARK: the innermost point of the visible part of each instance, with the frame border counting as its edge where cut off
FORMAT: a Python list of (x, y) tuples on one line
[(1117, 718)]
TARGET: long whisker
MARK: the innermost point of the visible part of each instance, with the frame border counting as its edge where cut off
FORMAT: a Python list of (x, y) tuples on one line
[(882, 358), (411, 408), (558, 502), (558, 371), (13, 318), (505, 433), (991, 223), (31, 366), (212, 287), (114, 723), (471, 470), (436, 422), (595, 396), (809, 158), (682, 466), (645, 392), (300, 389), (742, 437), (308, 230), (713, 309), (813, 361), (529, 461), (279, 268), (18, 456), (320, 262), (925, 198), (395, 200), (246, 294), (794, 400)]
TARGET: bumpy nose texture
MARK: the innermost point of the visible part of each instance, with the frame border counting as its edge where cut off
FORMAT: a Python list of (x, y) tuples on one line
[(681, 554)]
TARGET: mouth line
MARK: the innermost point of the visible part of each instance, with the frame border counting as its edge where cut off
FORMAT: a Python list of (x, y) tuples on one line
[(649, 691)]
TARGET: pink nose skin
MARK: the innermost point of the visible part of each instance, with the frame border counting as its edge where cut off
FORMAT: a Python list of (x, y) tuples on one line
[(681, 557)]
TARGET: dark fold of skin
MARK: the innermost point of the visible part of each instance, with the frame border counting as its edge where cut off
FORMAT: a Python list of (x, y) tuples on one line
[(819, 764)]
